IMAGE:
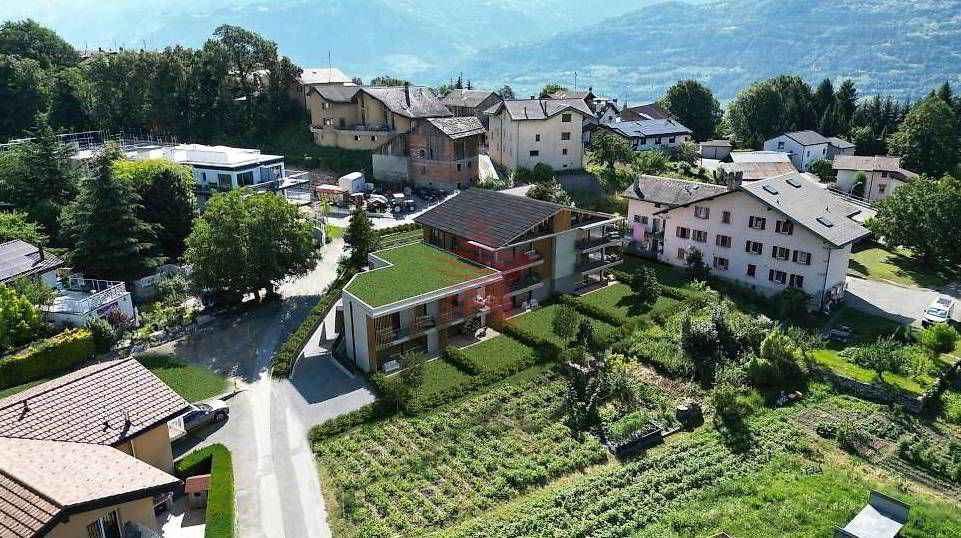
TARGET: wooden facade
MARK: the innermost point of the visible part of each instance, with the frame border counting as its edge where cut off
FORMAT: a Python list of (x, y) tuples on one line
[(436, 158)]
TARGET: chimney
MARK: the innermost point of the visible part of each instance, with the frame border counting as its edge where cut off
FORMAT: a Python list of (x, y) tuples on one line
[(533, 97), (734, 180), (407, 92)]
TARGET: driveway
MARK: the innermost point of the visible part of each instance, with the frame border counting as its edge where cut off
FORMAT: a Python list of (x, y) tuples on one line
[(900, 303), (277, 486)]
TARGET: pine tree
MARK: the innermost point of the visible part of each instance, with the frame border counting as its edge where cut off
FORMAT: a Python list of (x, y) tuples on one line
[(847, 98), (106, 237), (360, 237)]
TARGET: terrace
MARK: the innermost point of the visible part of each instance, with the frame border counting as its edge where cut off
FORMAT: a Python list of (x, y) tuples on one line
[(83, 295)]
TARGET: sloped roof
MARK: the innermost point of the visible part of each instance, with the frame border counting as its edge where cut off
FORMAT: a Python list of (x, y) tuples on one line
[(40, 481), (466, 98), (19, 258), (760, 157), (670, 191), (650, 111), (458, 127), (409, 101), (753, 170), (839, 143), (104, 403), (870, 164), (540, 109), (811, 206), (569, 94), (336, 94), (488, 217), (643, 128), (807, 138), (323, 75), (716, 143)]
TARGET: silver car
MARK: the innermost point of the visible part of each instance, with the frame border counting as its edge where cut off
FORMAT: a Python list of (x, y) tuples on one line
[(203, 413)]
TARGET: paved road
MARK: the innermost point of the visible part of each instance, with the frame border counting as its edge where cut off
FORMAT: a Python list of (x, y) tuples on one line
[(899, 303), (278, 491)]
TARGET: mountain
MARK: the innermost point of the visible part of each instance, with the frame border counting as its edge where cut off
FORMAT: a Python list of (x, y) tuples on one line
[(902, 48)]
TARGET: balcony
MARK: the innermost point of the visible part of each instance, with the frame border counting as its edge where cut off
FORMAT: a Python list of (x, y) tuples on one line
[(83, 295), (595, 263), (591, 242), (524, 284)]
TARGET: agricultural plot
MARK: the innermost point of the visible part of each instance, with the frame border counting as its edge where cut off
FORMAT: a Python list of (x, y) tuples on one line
[(409, 476)]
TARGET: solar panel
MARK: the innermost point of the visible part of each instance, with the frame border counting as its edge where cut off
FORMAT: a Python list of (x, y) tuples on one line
[(825, 221), (770, 189)]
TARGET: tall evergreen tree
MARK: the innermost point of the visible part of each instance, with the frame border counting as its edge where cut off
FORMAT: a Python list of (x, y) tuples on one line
[(360, 237), (167, 200), (823, 97), (847, 98), (102, 227)]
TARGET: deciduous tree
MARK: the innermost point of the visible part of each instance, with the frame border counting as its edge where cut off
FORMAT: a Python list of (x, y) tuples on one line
[(645, 286), (15, 225), (550, 191), (693, 104), (927, 140), (20, 321), (770, 107), (611, 150), (551, 88), (167, 200), (922, 216)]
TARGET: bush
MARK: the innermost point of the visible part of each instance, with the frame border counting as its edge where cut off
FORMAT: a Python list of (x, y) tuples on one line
[(47, 357), (644, 284), (20, 321), (939, 338), (593, 311), (565, 321), (215, 460), (792, 303), (551, 350), (103, 333), (459, 358), (373, 412)]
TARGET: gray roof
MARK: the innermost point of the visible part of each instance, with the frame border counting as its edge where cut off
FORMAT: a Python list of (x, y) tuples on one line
[(870, 164), (540, 109), (19, 258), (643, 128), (458, 127), (839, 143), (807, 138), (466, 98), (716, 143), (409, 101), (488, 217), (753, 171), (760, 157), (650, 111), (569, 94), (811, 206), (671, 192), (323, 75), (337, 94)]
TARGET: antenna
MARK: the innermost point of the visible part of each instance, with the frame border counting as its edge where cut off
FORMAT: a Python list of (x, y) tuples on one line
[(328, 66), (575, 81)]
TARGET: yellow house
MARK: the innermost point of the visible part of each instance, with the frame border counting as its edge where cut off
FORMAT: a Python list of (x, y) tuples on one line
[(87, 454)]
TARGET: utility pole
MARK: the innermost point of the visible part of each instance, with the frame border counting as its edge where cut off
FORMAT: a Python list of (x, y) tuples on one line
[(575, 81)]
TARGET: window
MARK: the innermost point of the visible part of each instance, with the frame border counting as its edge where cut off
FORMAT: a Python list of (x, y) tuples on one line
[(421, 153), (682, 254), (758, 223), (777, 276), (785, 227), (751, 270), (721, 263), (780, 253), (460, 150), (566, 135), (537, 138), (723, 241), (566, 118), (564, 151), (373, 139), (682, 232), (780, 144), (671, 140), (753, 247), (797, 281), (535, 153), (700, 236), (245, 178), (328, 121), (326, 105), (640, 219), (881, 188), (702, 212), (224, 181), (657, 140), (458, 167), (203, 177), (107, 526), (804, 258), (725, 217), (642, 141)]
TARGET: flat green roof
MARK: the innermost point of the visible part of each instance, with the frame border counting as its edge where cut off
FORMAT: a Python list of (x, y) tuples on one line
[(415, 269)]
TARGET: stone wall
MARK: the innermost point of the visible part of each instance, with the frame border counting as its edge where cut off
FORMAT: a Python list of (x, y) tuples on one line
[(914, 404)]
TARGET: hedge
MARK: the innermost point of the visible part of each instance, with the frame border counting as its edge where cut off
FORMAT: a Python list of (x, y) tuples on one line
[(593, 311), (372, 412), (215, 460), (284, 358), (46, 357), (551, 350), (459, 358), (400, 228)]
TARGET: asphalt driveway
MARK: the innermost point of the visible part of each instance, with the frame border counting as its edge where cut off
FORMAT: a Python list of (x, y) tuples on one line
[(900, 303)]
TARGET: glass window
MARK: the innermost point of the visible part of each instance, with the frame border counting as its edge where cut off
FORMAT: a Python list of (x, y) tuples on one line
[(797, 281), (785, 227), (535, 153), (566, 135), (245, 178), (702, 212), (682, 232), (460, 150), (700, 236), (751, 270), (681, 254), (758, 223), (565, 118), (723, 241), (725, 217), (224, 181), (108, 526), (537, 138), (721, 263), (564, 152)]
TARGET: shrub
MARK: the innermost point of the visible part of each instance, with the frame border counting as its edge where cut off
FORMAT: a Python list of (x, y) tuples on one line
[(565, 321), (880, 356), (645, 286), (459, 358), (103, 333), (20, 321), (778, 364), (215, 460), (792, 303), (939, 338), (696, 268), (46, 357), (373, 412), (548, 348), (593, 311)]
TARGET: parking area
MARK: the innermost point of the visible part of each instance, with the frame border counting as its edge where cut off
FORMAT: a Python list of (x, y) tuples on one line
[(898, 303)]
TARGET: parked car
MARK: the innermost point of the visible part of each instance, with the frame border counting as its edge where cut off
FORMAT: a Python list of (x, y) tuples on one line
[(940, 311), (203, 413)]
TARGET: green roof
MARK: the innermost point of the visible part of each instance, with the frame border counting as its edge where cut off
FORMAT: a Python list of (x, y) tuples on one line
[(415, 269)]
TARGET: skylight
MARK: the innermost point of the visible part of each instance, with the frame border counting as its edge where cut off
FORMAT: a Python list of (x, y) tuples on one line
[(823, 219), (794, 182), (770, 189)]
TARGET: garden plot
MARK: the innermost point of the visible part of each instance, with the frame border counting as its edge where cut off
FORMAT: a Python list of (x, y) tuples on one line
[(412, 475)]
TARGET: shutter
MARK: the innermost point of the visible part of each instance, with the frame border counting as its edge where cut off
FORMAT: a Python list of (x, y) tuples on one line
[(770, 275), (777, 227), (795, 256), (747, 246), (774, 251)]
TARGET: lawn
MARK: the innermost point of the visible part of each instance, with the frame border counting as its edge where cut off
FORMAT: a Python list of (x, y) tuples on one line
[(411, 475), (414, 269), (335, 232), (539, 322), (667, 275), (192, 382), (874, 261), (10, 391), (620, 299), (441, 376), (500, 353)]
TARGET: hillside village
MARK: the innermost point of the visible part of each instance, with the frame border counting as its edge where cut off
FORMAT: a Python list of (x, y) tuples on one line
[(273, 300)]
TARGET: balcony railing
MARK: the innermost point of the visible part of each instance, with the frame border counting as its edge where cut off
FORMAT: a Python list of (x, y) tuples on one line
[(594, 241), (84, 295), (523, 283), (592, 264)]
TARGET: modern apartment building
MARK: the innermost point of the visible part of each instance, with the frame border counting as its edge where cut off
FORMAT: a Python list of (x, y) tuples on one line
[(767, 235), (484, 254), (527, 132)]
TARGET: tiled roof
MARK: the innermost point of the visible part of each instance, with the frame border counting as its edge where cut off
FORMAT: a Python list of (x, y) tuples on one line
[(19, 258), (569, 94), (41, 479), (336, 94), (753, 171), (488, 217), (466, 98), (811, 206), (870, 164), (670, 191), (323, 75), (458, 127), (760, 157), (539, 109), (104, 403), (839, 143), (807, 138), (409, 101), (643, 128), (650, 111)]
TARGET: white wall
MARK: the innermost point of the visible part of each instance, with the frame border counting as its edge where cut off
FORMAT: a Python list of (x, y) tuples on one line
[(210, 177), (355, 331), (638, 211), (663, 142), (878, 184), (801, 156), (510, 142)]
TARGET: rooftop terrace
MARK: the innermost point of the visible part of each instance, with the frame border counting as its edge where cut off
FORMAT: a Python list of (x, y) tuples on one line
[(415, 269)]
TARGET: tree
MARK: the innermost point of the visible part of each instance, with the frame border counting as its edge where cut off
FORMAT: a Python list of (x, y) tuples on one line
[(927, 140), (246, 242), (166, 191), (102, 226), (770, 107), (506, 93), (824, 97), (939, 338), (860, 181), (777, 364), (67, 88), (551, 88), (921, 215), (27, 39), (792, 303), (847, 99), (16, 226), (34, 290), (20, 321), (882, 355), (696, 268), (24, 93), (823, 169), (587, 336), (645, 286), (550, 191), (832, 123), (611, 150), (693, 104), (686, 153), (360, 237), (387, 80), (565, 321), (651, 162), (412, 368)]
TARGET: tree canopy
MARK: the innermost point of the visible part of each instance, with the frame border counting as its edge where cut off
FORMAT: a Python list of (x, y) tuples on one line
[(921, 215), (551, 88), (771, 107), (610, 150), (27, 39), (695, 106), (16, 226), (167, 200), (20, 321), (550, 191), (360, 237), (927, 140)]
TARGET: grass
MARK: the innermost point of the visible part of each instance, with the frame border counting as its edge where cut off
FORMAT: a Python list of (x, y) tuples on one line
[(335, 232), (498, 353), (215, 460), (10, 391), (190, 381), (539, 322), (874, 261), (667, 275), (620, 299), (440, 376), (415, 269)]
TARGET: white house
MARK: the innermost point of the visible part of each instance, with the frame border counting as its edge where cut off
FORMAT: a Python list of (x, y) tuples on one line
[(651, 194), (664, 134), (742, 156), (882, 175), (805, 147), (223, 167), (526, 132), (608, 112), (768, 235)]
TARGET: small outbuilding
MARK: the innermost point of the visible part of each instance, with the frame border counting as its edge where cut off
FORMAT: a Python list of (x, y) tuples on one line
[(883, 517), (195, 488)]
